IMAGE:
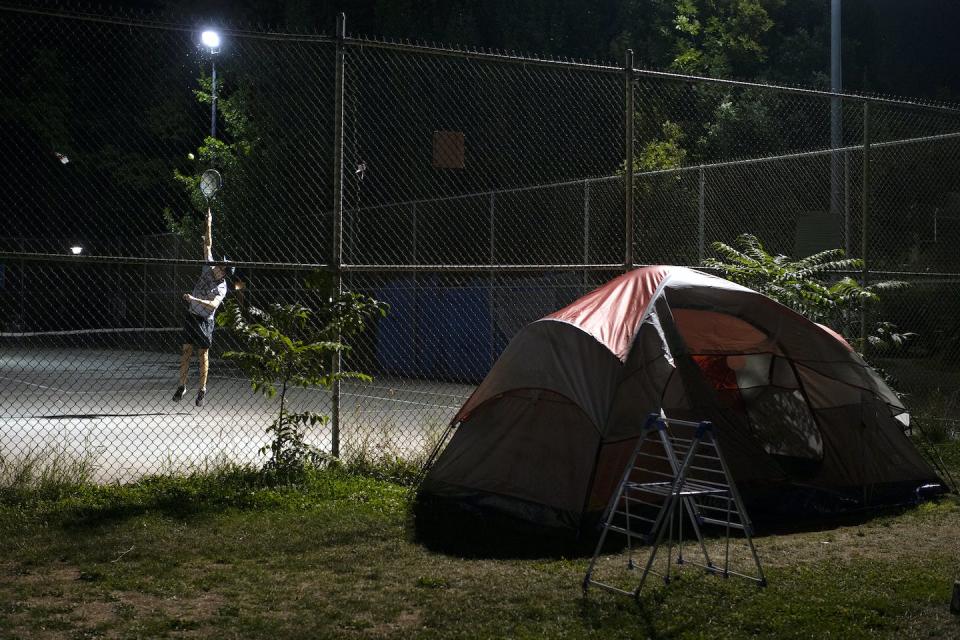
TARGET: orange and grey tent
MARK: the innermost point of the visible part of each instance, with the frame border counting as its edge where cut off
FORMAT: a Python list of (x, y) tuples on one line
[(805, 424)]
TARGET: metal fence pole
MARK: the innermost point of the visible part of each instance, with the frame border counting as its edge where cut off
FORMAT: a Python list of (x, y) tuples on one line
[(491, 285), (492, 208), (865, 224), (337, 225), (586, 227), (701, 214), (846, 203), (143, 300), (628, 257), (22, 320), (413, 234)]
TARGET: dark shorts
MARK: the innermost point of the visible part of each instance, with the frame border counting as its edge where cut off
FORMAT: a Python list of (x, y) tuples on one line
[(197, 330)]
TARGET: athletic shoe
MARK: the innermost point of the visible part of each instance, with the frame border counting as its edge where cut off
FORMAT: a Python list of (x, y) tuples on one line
[(200, 395), (179, 393)]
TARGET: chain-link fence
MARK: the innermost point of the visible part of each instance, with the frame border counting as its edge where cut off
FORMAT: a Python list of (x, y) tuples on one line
[(474, 192)]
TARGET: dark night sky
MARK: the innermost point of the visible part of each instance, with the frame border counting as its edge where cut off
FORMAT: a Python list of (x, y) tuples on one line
[(916, 48), (901, 48)]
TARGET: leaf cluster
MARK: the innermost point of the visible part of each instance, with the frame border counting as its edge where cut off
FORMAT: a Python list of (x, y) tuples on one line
[(815, 286), (289, 451), (236, 142), (280, 346)]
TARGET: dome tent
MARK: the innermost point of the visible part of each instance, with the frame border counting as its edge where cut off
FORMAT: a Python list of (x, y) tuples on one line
[(805, 424)]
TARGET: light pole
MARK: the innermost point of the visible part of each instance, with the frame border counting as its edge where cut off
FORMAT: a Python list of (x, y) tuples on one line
[(836, 107), (211, 40)]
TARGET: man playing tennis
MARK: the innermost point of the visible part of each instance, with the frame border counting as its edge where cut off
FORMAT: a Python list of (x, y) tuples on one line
[(207, 295)]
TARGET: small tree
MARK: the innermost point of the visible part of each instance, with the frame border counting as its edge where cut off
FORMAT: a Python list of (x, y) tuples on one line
[(229, 153), (811, 286), (292, 345)]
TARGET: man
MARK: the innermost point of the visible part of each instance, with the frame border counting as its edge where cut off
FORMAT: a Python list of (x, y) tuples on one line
[(207, 295)]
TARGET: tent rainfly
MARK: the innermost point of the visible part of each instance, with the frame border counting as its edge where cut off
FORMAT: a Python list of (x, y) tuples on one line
[(805, 424)]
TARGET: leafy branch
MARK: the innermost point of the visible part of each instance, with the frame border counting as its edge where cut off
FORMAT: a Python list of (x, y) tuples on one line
[(813, 286), (292, 345)]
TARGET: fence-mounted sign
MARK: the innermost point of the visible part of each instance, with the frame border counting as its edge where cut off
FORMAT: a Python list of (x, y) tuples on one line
[(448, 150)]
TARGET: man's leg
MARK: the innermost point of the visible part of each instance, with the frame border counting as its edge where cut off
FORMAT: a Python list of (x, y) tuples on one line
[(204, 356), (185, 356)]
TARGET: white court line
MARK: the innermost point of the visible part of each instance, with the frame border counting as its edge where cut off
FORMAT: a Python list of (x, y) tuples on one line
[(40, 386), (400, 389), (419, 404), (110, 390)]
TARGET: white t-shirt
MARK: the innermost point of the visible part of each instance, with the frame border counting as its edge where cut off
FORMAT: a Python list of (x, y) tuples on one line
[(208, 288)]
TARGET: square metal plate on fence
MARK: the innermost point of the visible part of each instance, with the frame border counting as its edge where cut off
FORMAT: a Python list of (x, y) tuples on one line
[(448, 150)]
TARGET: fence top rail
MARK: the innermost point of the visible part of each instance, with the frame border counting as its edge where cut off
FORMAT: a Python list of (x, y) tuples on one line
[(476, 268), (160, 262), (924, 276), (817, 93), (476, 54), (942, 137)]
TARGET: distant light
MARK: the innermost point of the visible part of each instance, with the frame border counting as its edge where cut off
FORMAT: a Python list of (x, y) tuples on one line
[(210, 39), (76, 250), (62, 158)]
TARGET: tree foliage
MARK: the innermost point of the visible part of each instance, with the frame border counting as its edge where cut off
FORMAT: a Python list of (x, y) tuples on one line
[(720, 37), (226, 153), (813, 286)]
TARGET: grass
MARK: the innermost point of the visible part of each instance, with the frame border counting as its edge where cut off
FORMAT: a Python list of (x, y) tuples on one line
[(228, 554)]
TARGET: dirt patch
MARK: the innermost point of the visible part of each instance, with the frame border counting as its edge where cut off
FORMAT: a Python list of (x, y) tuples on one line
[(95, 613), (405, 621), (39, 575), (202, 606), (62, 593)]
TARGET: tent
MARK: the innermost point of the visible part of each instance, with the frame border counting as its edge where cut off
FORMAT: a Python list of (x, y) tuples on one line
[(805, 424)]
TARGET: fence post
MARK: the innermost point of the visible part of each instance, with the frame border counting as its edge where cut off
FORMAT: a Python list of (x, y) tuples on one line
[(337, 254), (865, 229), (413, 237), (846, 203), (586, 228), (701, 214), (628, 159), (492, 284), (492, 206)]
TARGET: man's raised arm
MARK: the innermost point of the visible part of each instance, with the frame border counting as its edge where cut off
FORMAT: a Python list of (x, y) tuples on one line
[(208, 238)]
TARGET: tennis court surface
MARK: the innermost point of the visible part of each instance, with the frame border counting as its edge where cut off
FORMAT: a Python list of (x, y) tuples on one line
[(105, 397)]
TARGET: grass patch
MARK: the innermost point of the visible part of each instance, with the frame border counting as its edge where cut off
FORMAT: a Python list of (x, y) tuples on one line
[(230, 553)]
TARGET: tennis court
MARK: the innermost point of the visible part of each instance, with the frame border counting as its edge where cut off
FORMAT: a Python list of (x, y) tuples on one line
[(96, 396)]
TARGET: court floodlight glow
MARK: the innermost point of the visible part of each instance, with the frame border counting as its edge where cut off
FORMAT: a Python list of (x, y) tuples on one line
[(76, 250), (211, 40)]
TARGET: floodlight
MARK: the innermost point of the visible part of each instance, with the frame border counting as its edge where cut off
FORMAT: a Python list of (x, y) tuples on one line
[(76, 250), (211, 40)]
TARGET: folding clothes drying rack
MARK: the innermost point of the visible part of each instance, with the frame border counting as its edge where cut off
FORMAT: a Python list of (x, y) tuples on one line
[(676, 470)]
